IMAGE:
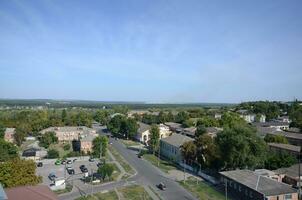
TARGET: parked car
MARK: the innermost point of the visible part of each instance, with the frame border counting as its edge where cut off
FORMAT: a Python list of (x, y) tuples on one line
[(52, 176), (63, 162), (83, 168), (70, 170), (91, 159), (162, 186), (39, 164), (58, 162), (99, 164), (74, 160), (68, 161)]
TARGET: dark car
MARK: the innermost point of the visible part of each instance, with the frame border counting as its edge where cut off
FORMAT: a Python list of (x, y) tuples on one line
[(84, 170), (63, 162), (70, 170), (52, 176), (99, 164), (82, 166), (39, 164), (162, 186)]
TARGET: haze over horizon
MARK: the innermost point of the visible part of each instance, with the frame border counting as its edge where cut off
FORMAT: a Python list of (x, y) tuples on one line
[(151, 51)]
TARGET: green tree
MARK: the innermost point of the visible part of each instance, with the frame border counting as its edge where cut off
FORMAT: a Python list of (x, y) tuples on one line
[(7, 151), (200, 130), (181, 117), (114, 124), (20, 134), (2, 131), (208, 154), (230, 120), (67, 147), (17, 172), (241, 147), (129, 128), (99, 143), (154, 138), (47, 139), (106, 170), (102, 116), (189, 151), (121, 109), (64, 116), (279, 160), (207, 121), (275, 139), (53, 153)]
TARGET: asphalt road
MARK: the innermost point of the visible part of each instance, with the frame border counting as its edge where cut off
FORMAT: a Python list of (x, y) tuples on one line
[(147, 174)]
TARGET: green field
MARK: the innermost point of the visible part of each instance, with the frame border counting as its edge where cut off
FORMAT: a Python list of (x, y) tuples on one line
[(164, 165), (202, 190), (121, 160), (134, 192)]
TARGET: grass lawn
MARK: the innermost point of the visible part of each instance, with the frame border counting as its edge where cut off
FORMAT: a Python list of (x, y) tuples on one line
[(121, 160), (134, 192), (129, 143), (164, 165), (116, 172), (59, 147), (202, 190), (67, 189)]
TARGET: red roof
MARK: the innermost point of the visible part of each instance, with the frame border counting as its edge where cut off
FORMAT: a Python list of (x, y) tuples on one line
[(39, 192)]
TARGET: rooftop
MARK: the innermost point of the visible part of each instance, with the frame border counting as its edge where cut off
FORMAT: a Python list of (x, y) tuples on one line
[(143, 127), (39, 192), (271, 123), (176, 139), (173, 125), (286, 147), (266, 186), (292, 171), (66, 129)]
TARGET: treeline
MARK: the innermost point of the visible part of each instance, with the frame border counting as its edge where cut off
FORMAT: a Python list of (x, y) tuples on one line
[(236, 147)]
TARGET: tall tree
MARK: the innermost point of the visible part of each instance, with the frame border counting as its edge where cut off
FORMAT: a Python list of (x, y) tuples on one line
[(154, 138), (7, 151), (99, 143), (129, 128), (48, 138), (189, 151), (18, 172), (200, 130), (241, 147), (114, 124)]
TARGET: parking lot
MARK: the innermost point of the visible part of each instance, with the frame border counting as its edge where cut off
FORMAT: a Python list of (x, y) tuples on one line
[(61, 172)]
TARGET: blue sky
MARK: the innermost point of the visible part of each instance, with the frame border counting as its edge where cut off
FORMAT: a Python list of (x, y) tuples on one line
[(153, 51)]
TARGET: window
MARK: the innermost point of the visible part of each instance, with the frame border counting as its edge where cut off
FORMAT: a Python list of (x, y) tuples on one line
[(288, 197)]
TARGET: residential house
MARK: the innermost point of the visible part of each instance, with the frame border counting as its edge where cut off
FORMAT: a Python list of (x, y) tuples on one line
[(143, 132), (86, 143), (174, 127), (9, 134), (280, 126), (292, 137), (290, 175), (34, 154), (217, 116), (170, 146), (285, 148), (284, 119), (212, 131), (269, 174), (39, 192), (190, 131), (248, 185), (69, 133)]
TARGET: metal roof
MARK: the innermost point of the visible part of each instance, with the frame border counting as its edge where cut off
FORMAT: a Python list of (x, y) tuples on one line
[(266, 186)]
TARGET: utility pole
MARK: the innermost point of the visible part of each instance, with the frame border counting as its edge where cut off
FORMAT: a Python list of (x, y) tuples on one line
[(184, 171), (226, 189), (299, 184), (158, 156)]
